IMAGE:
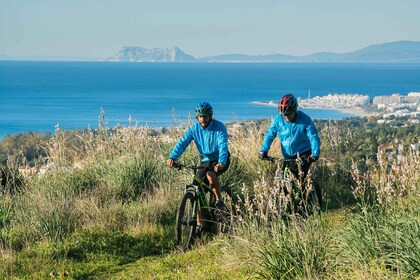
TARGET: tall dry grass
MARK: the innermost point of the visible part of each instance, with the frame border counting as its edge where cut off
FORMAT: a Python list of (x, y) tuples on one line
[(379, 239), (116, 180), (385, 232)]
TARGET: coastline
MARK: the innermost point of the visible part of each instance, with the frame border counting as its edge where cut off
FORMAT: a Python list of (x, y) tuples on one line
[(353, 111)]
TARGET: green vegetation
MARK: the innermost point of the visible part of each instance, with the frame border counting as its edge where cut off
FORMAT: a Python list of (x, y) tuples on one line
[(101, 205)]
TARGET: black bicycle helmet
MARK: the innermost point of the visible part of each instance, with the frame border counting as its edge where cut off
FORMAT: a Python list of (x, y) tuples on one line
[(288, 104), (203, 109)]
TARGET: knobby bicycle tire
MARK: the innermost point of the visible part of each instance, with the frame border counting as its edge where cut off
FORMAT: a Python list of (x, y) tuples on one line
[(318, 190), (305, 203), (315, 200), (225, 218), (186, 221)]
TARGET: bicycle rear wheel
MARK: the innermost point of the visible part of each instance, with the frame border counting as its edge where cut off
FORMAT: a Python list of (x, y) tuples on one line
[(186, 221), (225, 218), (315, 200)]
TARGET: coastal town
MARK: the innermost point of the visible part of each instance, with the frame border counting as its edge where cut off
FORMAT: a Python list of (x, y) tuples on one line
[(384, 108), (336, 101)]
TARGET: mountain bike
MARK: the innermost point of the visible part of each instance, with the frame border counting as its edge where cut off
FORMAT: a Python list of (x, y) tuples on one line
[(302, 197), (198, 202)]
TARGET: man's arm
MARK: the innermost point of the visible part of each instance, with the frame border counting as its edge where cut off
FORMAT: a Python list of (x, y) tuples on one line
[(181, 145), (312, 134), (222, 143), (269, 137)]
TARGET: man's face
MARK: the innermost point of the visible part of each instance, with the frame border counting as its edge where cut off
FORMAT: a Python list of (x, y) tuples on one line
[(204, 120), (290, 117)]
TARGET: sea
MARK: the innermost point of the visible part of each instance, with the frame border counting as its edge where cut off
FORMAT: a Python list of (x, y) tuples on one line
[(41, 96)]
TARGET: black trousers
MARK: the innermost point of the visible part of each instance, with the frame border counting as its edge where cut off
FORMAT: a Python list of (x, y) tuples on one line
[(294, 167)]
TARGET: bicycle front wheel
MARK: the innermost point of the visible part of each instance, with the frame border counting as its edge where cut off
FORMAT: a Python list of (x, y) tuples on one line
[(225, 218), (186, 221)]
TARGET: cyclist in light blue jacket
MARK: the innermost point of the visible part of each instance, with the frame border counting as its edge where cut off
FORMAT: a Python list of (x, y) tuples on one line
[(297, 133), (211, 139)]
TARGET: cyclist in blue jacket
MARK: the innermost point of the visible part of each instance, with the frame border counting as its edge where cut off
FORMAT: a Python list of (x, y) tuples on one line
[(211, 139), (297, 133)]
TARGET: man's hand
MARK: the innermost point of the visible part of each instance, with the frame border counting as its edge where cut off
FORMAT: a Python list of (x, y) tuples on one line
[(170, 162), (262, 155), (313, 158), (218, 167)]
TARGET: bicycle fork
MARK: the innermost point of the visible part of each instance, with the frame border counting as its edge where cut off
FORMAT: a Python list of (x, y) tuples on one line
[(202, 204)]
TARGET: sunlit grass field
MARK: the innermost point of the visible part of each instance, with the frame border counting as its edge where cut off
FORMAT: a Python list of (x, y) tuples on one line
[(101, 204)]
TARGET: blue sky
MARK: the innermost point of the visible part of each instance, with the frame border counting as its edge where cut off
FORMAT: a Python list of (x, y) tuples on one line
[(100, 28)]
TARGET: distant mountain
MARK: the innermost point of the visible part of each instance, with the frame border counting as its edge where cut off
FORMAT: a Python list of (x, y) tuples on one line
[(248, 58), (401, 51), (139, 54), (393, 52)]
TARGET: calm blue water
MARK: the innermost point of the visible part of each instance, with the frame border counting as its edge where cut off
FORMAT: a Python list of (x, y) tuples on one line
[(35, 96)]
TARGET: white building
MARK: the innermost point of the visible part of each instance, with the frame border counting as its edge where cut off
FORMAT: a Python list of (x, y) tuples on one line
[(395, 98), (417, 94)]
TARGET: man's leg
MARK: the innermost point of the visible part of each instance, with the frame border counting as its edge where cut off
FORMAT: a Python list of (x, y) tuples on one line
[(215, 184)]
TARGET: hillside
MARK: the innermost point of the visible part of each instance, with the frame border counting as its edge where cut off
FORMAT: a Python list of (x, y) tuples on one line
[(101, 204)]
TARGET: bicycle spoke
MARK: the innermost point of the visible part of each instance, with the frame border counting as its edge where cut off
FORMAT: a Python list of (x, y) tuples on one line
[(185, 222)]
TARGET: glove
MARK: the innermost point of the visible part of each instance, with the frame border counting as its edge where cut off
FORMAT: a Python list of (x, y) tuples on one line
[(313, 158), (262, 155)]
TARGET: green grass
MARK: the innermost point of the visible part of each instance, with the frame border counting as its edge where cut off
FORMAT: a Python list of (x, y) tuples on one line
[(107, 210), (89, 253), (204, 262)]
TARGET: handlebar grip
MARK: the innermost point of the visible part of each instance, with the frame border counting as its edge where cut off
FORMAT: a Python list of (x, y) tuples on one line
[(272, 159), (177, 165)]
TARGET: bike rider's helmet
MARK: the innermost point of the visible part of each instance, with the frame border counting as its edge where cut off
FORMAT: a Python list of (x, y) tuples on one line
[(203, 109), (288, 104)]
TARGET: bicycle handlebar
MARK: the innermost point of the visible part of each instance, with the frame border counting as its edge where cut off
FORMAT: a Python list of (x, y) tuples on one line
[(274, 159), (180, 166)]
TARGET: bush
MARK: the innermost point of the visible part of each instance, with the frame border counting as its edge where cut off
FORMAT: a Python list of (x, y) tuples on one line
[(383, 236), (296, 251)]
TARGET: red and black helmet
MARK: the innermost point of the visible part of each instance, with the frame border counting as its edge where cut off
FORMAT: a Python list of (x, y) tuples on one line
[(288, 104)]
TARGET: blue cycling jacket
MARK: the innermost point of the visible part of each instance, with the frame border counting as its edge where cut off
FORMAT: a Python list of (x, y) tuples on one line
[(211, 142), (295, 137)]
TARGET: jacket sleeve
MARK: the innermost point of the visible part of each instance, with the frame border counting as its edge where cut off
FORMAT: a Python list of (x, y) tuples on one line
[(182, 144), (222, 143), (312, 133), (270, 135)]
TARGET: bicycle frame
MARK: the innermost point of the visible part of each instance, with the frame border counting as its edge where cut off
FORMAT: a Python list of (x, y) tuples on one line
[(298, 192), (200, 190), (197, 206)]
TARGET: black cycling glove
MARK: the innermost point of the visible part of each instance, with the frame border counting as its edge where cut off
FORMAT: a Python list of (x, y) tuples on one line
[(313, 158), (262, 155)]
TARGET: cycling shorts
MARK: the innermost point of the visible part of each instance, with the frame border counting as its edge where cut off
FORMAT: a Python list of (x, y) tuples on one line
[(201, 173)]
